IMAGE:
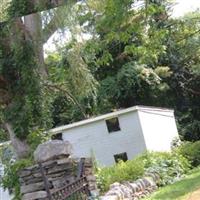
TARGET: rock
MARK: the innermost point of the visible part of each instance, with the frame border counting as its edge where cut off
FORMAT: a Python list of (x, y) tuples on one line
[(91, 178), (49, 163), (52, 149), (88, 171), (33, 180), (24, 173), (60, 182), (64, 161), (110, 197), (32, 187), (114, 185), (56, 176), (149, 181), (34, 195), (32, 167), (132, 190), (60, 168)]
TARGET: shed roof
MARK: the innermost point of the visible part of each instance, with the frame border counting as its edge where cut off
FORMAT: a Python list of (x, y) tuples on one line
[(107, 116)]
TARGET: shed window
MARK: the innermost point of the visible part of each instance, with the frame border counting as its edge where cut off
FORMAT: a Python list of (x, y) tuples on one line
[(113, 125), (57, 136), (121, 156)]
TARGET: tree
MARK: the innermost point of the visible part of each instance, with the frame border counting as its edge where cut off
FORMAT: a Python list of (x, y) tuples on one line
[(24, 75), (133, 55), (150, 37)]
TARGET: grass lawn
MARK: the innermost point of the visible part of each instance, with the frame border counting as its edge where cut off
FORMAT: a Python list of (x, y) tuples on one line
[(180, 190)]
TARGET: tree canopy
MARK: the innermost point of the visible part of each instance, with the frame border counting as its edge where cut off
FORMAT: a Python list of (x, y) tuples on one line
[(107, 55)]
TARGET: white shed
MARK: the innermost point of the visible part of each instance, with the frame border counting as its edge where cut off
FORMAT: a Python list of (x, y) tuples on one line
[(123, 134)]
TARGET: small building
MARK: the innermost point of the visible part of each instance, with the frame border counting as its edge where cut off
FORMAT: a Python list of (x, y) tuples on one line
[(123, 134)]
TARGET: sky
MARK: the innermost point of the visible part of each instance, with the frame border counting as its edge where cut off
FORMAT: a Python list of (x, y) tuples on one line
[(181, 7), (184, 6)]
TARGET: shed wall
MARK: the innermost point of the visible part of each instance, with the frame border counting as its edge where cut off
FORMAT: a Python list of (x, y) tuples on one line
[(159, 129), (94, 138)]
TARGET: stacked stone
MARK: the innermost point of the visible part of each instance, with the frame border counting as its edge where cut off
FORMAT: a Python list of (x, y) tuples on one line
[(58, 167), (59, 172), (132, 190), (88, 172)]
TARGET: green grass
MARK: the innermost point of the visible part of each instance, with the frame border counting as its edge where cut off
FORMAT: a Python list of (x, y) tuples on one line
[(179, 190)]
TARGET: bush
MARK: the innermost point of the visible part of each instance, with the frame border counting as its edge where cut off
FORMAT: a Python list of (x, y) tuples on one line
[(170, 166), (122, 171), (10, 179), (35, 138), (191, 151)]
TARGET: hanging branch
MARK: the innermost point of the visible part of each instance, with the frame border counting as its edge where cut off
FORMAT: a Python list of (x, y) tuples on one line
[(146, 10), (67, 95)]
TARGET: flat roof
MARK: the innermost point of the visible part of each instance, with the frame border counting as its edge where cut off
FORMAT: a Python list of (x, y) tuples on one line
[(107, 116)]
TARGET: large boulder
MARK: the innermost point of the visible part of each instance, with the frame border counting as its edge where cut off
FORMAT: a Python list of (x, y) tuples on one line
[(52, 149)]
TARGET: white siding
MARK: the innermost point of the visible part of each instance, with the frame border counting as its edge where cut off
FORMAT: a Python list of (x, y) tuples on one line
[(4, 195), (159, 128), (94, 137)]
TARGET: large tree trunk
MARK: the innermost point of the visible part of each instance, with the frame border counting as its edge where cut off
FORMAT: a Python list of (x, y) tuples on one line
[(30, 30), (21, 148), (33, 24)]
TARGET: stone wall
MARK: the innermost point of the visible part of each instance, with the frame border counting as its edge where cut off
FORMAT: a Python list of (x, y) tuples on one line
[(132, 190), (59, 168)]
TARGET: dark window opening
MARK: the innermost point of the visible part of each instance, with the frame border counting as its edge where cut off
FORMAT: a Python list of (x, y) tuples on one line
[(121, 156), (57, 136), (113, 125)]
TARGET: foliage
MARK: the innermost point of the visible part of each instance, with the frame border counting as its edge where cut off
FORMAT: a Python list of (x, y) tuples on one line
[(18, 8), (181, 190), (176, 142), (28, 109), (170, 166), (7, 154), (169, 47), (35, 138), (12, 166), (3, 10), (73, 84), (190, 131), (191, 151), (131, 84), (10, 179), (122, 171), (3, 136), (133, 55)]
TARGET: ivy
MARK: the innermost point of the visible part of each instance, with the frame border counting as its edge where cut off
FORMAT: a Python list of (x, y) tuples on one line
[(29, 109), (19, 8), (11, 177)]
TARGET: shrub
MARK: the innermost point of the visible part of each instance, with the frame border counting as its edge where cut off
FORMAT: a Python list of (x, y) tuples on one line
[(191, 151), (10, 179), (35, 138), (122, 171), (170, 166), (7, 154)]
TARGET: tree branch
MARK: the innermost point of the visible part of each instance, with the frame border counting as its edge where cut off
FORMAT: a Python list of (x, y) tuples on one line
[(67, 95), (53, 25), (188, 36), (49, 30)]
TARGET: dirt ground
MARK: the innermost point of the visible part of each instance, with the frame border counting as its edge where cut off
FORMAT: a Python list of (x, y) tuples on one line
[(194, 196)]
